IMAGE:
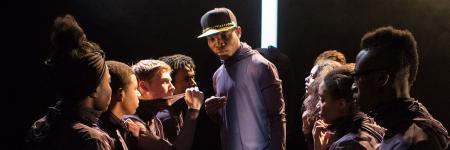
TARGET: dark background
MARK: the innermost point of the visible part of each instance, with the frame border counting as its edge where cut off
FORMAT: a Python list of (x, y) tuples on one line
[(130, 30)]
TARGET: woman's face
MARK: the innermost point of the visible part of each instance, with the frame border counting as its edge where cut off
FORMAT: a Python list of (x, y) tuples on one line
[(310, 79), (331, 109)]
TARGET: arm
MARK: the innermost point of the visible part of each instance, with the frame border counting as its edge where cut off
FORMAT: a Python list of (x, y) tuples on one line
[(194, 100), (185, 138), (145, 140), (272, 92)]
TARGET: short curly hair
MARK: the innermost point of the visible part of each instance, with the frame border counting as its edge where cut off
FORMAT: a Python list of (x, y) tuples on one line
[(396, 47), (333, 55)]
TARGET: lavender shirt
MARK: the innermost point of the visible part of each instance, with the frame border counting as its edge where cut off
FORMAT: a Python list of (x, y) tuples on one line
[(253, 118)]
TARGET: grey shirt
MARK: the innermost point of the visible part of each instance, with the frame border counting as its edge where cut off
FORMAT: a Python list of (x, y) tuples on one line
[(253, 118)]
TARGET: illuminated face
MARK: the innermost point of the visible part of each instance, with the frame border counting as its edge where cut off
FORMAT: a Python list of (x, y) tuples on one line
[(131, 101), (310, 79), (183, 79), (159, 86), (225, 44), (330, 109)]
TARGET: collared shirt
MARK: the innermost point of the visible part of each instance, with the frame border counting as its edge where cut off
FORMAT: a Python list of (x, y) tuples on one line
[(253, 117)]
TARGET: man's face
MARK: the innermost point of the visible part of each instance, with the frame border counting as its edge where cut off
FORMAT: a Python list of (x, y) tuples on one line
[(183, 79), (160, 86), (103, 91), (364, 86), (131, 102), (330, 110), (225, 44)]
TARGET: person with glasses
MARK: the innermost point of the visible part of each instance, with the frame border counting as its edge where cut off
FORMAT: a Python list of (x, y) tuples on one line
[(341, 124), (248, 102), (386, 69)]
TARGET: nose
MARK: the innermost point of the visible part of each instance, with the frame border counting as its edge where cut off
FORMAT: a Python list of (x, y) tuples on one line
[(192, 82), (171, 88), (355, 88), (138, 94)]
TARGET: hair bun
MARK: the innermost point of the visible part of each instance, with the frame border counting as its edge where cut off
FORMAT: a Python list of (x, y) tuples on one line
[(67, 34)]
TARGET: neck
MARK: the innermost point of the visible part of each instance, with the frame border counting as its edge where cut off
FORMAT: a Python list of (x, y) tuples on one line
[(117, 111)]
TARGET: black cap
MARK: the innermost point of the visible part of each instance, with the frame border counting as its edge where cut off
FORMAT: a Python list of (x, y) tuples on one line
[(217, 20)]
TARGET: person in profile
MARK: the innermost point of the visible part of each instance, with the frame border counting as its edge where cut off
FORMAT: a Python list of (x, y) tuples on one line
[(124, 101), (386, 68), (79, 73), (341, 124), (155, 85), (183, 77)]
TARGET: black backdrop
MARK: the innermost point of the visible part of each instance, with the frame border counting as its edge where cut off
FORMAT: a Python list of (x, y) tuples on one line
[(132, 30)]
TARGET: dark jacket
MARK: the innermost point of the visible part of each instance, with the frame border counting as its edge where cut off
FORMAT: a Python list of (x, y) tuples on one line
[(116, 129), (152, 135), (69, 130), (172, 119), (356, 132), (254, 116), (410, 126)]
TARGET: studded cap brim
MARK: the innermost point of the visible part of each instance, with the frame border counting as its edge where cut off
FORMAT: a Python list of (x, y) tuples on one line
[(215, 31)]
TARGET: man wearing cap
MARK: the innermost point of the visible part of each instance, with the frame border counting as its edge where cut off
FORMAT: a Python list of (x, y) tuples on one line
[(248, 102)]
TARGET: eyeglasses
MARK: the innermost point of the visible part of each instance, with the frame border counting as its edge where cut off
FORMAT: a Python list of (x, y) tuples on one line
[(358, 75)]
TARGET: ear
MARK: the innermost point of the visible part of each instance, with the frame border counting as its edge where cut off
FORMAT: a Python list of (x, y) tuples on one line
[(238, 31), (120, 95), (343, 104), (142, 86), (382, 79)]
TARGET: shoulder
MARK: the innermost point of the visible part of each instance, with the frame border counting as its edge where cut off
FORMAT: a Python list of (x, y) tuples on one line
[(92, 137), (350, 141), (87, 132), (423, 133)]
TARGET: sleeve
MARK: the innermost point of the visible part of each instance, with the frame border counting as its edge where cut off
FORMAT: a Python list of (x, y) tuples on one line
[(97, 144), (215, 118), (146, 140), (184, 140), (273, 95), (347, 145)]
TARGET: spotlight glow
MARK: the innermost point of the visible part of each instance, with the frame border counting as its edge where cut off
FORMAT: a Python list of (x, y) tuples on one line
[(269, 21)]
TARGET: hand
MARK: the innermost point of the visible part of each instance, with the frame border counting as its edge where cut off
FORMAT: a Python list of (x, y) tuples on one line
[(132, 127), (308, 123), (321, 135), (194, 98), (213, 104)]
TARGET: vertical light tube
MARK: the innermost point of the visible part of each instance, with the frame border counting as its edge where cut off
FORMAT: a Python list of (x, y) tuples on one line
[(269, 21)]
